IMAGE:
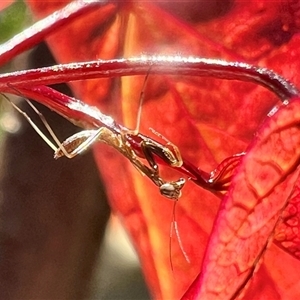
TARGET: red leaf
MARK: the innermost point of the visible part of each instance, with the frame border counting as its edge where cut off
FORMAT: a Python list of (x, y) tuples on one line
[(6, 3), (287, 232), (209, 120), (250, 211)]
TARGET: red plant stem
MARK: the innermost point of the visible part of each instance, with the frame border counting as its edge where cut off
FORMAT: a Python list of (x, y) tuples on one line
[(76, 111), (159, 65), (40, 30)]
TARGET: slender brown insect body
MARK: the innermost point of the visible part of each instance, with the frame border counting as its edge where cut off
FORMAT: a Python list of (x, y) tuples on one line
[(80, 141)]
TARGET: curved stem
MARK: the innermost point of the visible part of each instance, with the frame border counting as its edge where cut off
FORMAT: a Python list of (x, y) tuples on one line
[(201, 67), (41, 29)]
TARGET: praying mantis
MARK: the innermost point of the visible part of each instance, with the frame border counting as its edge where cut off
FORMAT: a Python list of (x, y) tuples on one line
[(79, 142), (134, 145)]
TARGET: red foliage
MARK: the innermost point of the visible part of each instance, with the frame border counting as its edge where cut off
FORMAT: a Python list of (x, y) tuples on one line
[(5, 4), (210, 120)]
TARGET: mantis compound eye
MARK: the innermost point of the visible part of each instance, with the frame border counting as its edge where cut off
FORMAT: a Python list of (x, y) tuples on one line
[(172, 190)]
